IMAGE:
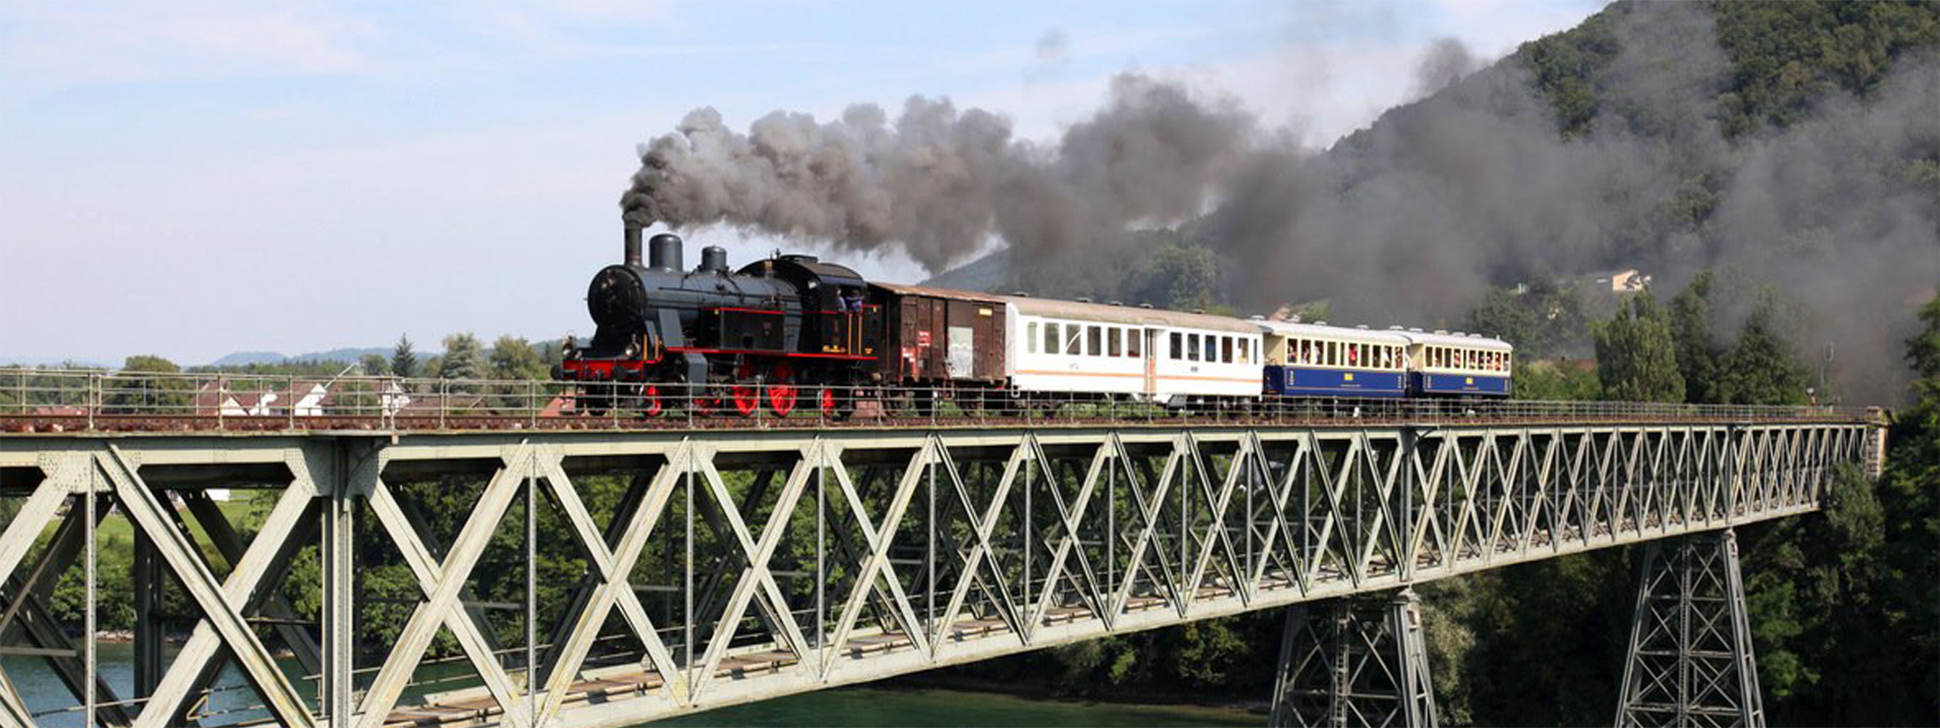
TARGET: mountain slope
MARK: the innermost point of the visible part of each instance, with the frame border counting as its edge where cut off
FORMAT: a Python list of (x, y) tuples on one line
[(1791, 146)]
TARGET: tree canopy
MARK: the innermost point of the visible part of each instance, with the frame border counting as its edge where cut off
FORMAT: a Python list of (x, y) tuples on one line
[(404, 361), (1636, 354), (464, 358)]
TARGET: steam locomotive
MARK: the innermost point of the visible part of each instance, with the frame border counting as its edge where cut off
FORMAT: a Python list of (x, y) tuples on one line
[(793, 331), (777, 333)]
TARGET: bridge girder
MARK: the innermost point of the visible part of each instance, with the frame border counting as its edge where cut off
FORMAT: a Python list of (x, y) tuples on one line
[(744, 565)]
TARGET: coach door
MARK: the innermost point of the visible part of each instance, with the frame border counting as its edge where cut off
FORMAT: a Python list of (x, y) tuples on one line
[(1151, 350)]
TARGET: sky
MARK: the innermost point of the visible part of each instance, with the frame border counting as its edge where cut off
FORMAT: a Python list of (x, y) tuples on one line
[(190, 179)]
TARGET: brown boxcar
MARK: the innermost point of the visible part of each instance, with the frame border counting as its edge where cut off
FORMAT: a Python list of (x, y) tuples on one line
[(941, 336)]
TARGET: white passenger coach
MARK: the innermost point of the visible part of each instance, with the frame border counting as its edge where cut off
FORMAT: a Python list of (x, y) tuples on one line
[(1128, 352)]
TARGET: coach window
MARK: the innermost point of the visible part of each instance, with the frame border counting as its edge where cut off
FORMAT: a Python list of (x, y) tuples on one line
[(1092, 335), (1133, 337), (1051, 339), (1174, 347), (1030, 337), (1212, 348), (1073, 338), (1192, 347)]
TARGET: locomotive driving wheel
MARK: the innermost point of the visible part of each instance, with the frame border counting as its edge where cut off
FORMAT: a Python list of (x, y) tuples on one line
[(781, 390), (746, 398), (650, 402), (745, 393)]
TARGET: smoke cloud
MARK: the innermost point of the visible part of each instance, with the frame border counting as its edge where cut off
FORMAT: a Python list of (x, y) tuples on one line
[(1408, 221), (938, 182)]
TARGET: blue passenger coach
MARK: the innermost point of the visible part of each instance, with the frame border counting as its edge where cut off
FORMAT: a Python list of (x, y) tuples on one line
[(1458, 364), (1317, 360)]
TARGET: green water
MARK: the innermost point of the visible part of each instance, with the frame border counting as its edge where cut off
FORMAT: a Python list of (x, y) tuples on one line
[(853, 707), (863, 706)]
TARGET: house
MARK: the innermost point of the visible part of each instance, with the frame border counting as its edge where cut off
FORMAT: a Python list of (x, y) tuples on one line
[(304, 399), (1628, 280)]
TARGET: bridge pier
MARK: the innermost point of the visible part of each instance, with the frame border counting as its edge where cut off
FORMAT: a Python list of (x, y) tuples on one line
[(1690, 659), (1354, 661)]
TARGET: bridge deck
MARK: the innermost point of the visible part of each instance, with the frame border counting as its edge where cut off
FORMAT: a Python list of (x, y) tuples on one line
[(682, 570)]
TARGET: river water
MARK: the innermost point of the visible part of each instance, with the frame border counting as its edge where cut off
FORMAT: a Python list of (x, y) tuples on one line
[(852, 707)]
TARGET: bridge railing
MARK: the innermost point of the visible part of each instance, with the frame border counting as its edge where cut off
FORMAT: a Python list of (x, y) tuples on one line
[(51, 400)]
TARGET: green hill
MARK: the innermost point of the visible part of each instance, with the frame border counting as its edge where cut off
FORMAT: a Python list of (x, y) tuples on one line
[(1791, 146)]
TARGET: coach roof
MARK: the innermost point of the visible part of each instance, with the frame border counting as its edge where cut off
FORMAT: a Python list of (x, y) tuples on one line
[(1469, 342), (1341, 333), (1102, 313)]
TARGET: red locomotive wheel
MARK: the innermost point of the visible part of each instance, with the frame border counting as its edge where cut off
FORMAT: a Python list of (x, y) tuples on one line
[(781, 390), (781, 399), (650, 401), (827, 402), (747, 400)]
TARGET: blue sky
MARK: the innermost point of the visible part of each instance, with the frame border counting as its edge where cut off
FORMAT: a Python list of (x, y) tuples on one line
[(189, 179)]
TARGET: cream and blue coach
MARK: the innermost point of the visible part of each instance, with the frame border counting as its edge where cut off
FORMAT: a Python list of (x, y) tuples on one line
[(1315, 360), (1128, 352), (1444, 364)]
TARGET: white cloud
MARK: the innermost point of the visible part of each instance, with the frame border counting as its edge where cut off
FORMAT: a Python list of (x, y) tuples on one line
[(74, 43)]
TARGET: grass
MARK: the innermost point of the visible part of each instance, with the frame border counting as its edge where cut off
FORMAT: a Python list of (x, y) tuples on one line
[(117, 528)]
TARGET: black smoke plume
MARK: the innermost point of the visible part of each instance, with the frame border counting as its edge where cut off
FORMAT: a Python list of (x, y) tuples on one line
[(939, 182)]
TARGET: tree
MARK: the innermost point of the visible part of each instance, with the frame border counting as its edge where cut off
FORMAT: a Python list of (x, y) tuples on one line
[(1502, 314), (515, 358), (147, 388), (1180, 277), (1557, 380), (464, 358), (1761, 367), (404, 362), (1637, 356), (374, 365), (1697, 350), (1910, 497)]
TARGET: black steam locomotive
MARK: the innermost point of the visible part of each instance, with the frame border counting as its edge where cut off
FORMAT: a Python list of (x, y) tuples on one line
[(775, 334)]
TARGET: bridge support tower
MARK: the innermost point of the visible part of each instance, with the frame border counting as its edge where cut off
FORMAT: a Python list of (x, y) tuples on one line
[(1354, 662), (1690, 659)]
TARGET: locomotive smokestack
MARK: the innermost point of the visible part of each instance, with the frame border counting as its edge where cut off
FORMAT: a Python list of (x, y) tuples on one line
[(663, 252), (633, 245)]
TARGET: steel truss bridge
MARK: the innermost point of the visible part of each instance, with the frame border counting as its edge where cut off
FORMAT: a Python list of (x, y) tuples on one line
[(686, 569)]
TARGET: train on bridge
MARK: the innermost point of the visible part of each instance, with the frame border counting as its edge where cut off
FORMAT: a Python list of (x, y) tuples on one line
[(792, 331)]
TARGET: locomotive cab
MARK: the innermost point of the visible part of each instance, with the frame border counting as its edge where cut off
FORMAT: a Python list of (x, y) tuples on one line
[(833, 303)]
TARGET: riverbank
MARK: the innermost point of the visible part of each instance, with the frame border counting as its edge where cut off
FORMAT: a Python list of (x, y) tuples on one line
[(944, 680), (883, 705)]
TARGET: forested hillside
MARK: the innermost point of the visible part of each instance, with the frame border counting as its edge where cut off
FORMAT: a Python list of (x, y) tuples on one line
[(1790, 147)]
